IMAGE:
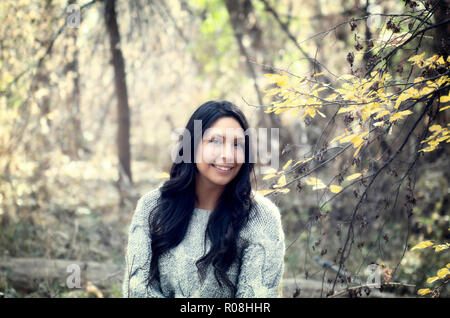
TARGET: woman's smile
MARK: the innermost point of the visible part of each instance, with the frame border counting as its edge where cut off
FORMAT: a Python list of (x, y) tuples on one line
[(223, 169)]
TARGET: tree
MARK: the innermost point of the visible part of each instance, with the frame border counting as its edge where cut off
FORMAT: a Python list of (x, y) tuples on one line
[(123, 110), (374, 102)]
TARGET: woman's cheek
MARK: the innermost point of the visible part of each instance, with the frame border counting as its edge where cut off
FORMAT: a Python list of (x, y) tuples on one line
[(209, 155)]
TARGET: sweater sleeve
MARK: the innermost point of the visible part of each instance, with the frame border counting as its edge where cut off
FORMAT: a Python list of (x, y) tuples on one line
[(138, 252), (262, 264)]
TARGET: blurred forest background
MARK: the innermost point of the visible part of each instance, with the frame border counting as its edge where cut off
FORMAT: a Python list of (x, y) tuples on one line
[(91, 92)]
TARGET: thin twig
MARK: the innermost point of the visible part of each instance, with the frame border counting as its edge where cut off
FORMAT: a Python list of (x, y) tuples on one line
[(341, 292)]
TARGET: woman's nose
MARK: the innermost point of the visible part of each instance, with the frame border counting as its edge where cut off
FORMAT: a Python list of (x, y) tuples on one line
[(228, 153)]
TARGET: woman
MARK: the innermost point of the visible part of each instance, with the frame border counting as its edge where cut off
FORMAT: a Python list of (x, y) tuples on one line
[(205, 232)]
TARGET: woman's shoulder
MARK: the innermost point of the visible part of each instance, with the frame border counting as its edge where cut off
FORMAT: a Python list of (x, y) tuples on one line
[(151, 196), (265, 218), (264, 208), (147, 203)]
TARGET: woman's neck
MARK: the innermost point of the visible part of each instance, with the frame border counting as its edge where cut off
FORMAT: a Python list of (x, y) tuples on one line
[(208, 194)]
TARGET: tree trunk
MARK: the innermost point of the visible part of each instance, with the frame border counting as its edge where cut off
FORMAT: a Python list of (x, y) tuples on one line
[(239, 12), (442, 38), (123, 110), (72, 140)]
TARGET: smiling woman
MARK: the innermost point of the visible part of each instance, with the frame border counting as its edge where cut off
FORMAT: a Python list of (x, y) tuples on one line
[(205, 232), (219, 159)]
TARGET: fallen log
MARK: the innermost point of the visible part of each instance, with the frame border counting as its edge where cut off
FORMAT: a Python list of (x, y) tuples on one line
[(26, 273)]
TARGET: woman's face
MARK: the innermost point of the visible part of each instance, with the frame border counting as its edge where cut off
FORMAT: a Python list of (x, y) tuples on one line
[(222, 151)]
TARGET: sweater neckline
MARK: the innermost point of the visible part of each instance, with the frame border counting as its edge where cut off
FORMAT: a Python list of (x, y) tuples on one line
[(202, 210)]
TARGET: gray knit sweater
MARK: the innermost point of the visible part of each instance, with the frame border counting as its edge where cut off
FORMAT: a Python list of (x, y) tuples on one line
[(262, 263)]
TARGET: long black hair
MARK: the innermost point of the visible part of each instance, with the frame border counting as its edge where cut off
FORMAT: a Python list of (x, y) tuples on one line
[(169, 223)]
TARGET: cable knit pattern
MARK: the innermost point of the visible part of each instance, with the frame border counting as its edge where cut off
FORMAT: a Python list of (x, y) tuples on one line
[(258, 274)]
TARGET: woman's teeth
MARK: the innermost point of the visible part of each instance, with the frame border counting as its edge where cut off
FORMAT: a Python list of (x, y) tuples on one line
[(222, 168)]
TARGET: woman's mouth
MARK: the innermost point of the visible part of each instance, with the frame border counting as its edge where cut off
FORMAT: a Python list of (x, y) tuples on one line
[(223, 169)]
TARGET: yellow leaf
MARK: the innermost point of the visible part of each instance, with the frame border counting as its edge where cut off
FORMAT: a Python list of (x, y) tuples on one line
[(381, 114), (435, 128), (347, 138), (269, 110), (443, 272), (311, 181), (335, 188), (357, 141), (286, 190), (273, 91), (424, 291), (441, 80), (444, 108), (269, 176), (441, 60), (280, 110), (448, 265), (270, 75), (444, 99), (298, 80), (404, 96), (297, 163), (337, 138), (281, 182), (311, 111), (331, 97), (348, 77), (316, 183), (427, 149), (271, 170), (440, 247), (432, 279), (417, 58), (426, 90), (352, 177), (346, 109), (432, 59), (357, 150), (92, 289), (405, 112), (394, 117), (378, 123), (302, 161), (282, 81), (296, 111), (162, 175), (287, 164), (264, 192), (422, 245), (399, 115), (321, 114)]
